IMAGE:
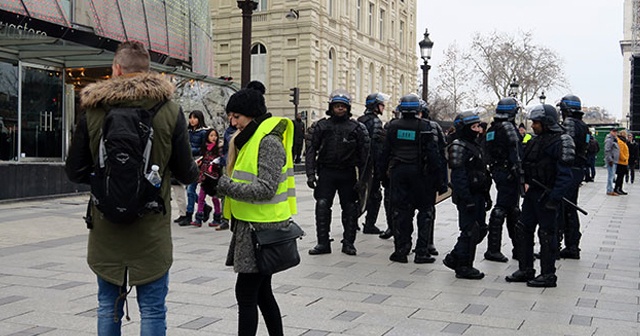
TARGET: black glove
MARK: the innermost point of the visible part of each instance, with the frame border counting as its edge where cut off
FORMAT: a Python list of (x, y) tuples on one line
[(311, 182)]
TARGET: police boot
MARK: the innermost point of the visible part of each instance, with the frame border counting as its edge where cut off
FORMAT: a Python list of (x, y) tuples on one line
[(465, 269), (423, 257), (386, 234), (494, 239), (323, 224), (369, 226), (349, 224), (431, 248), (548, 250), (521, 275), (572, 252), (543, 280), (524, 247), (400, 254), (512, 220)]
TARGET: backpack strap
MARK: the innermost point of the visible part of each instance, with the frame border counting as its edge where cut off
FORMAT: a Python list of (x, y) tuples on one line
[(147, 149)]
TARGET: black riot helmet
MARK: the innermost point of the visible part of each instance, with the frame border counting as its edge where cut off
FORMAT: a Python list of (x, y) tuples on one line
[(507, 109), (547, 115), (570, 106), (466, 118), (424, 109), (373, 100), (339, 96), (410, 104)]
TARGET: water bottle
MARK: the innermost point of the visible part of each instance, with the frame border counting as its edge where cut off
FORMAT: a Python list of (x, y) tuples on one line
[(154, 176)]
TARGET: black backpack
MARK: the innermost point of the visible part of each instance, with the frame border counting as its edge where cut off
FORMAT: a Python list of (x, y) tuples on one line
[(119, 186)]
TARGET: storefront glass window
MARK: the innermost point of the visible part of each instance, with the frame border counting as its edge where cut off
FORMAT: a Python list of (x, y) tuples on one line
[(8, 110), (42, 122)]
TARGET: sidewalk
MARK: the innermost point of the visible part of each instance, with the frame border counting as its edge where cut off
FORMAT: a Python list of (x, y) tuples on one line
[(46, 287)]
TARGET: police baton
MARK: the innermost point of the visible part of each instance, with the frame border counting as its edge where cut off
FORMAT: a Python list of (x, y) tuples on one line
[(564, 199)]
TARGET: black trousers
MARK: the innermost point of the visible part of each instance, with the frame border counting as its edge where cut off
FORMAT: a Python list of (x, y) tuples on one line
[(253, 290)]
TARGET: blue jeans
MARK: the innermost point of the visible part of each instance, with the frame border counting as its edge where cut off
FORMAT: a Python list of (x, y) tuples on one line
[(611, 175), (151, 300), (192, 197)]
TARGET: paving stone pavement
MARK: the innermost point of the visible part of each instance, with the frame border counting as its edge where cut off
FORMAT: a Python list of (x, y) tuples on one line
[(46, 287)]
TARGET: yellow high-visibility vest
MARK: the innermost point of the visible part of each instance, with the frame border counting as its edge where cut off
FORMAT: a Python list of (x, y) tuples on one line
[(245, 170)]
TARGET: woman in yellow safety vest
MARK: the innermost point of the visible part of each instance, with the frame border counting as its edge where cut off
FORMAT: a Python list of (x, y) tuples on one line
[(260, 192)]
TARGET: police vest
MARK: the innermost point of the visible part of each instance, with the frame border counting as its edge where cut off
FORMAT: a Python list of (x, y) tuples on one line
[(283, 204)]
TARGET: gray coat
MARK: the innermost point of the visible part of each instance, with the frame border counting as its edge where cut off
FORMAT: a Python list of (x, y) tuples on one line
[(271, 159), (611, 149)]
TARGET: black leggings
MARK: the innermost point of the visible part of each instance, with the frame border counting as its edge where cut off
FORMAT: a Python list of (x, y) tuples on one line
[(253, 290), (621, 171)]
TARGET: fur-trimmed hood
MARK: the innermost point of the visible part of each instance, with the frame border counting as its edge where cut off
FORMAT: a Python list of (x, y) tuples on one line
[(131, 87)]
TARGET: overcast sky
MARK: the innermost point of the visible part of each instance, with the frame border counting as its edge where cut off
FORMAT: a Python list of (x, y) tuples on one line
[(584, 33)]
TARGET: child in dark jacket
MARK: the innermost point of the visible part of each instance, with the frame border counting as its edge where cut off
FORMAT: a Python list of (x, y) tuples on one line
[(209, 174)]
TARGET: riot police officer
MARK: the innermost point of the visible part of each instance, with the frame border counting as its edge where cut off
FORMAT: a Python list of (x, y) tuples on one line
[(470, 181), (337, 150), (375, 104), (426, 219), (504, 152), (384, 180), (410, 155), (547, 171), (569, 222)]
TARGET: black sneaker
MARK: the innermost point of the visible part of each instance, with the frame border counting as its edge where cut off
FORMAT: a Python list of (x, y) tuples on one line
[(521, 276), (386, 234), (495, 256), (450, 261), (432, 250), (570, 253), (399, 257), (468, 272), (371, 229), (179, 219), (424, 259), (543, 280), (223, 226), (320, 249)]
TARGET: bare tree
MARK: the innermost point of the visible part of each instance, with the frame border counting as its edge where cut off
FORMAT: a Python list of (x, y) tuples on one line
[(498, 58), (455, 79)]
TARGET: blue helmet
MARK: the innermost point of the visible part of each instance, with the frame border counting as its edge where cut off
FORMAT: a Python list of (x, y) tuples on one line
[(373, 100), (339, 96), (507, 108), (466, 118), (570, 104), (410, 104)]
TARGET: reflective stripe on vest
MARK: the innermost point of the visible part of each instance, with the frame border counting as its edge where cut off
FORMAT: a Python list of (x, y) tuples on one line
[(283, 204)]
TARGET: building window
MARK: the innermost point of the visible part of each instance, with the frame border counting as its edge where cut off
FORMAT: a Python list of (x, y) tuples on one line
[(259, 63), (292, 73), (358, 13), (358, 88), (41, 130), (401, 87), (371, 9), (262, 6), (330, 8), (317, 72), (372, 73), (381, 25), (9, 110), (401, 34), (330, 70), (381, 80)]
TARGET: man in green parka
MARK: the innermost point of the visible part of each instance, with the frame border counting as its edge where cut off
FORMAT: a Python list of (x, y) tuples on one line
[(139, 253)]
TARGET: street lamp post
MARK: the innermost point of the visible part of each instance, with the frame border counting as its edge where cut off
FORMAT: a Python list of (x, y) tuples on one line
[(542, 98), (513, 92), (247, 6), (426, 45)]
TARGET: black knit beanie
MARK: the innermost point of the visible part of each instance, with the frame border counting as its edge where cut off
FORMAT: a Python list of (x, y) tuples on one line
[(248, 102)]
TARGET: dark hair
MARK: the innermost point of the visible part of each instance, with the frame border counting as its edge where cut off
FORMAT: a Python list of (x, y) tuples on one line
[(198, 115), (216, 149), (521, 125), (257, 85), (132, 56)]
